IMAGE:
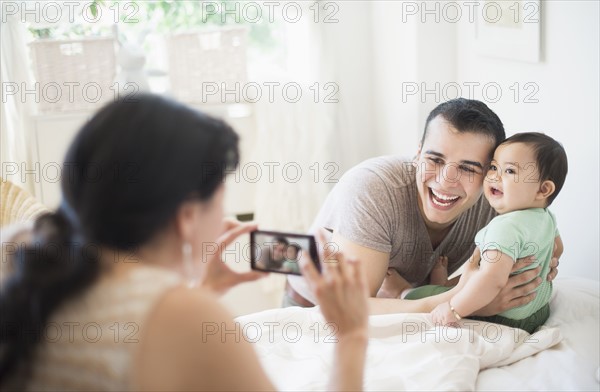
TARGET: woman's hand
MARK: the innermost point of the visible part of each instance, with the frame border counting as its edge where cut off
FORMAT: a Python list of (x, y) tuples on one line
[(215, 274), (341, 290), (342, 293)]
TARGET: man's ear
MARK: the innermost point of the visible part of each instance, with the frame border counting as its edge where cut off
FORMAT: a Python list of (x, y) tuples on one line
[(547, 188), (185, 219)]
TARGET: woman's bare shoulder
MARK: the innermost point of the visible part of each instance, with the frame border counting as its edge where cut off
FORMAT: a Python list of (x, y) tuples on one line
[(192, 342)]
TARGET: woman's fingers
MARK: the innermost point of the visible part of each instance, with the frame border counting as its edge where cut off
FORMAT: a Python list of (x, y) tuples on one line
[(337, 274), (309, 271), (250, 276), (230, 223), (334, 261), (230, 235), (327, 249), (321, 238)]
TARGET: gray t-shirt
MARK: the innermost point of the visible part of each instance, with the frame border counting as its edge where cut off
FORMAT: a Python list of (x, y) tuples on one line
[(375, 205)]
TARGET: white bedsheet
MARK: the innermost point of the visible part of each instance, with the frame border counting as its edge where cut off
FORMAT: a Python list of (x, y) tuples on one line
[(406, 352)]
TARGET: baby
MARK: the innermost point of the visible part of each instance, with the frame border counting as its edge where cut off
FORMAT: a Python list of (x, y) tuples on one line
[(525, 176)]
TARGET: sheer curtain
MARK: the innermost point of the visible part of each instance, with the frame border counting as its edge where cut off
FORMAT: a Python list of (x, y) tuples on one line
[(15, 124), (295, 140)]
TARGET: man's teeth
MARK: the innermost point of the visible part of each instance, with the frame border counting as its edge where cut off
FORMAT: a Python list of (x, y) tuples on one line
[(440, 203), (438, 197), (443, 197)]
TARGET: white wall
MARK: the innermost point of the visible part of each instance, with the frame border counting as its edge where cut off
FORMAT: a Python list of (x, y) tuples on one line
[(568, 110), (407, 54), (407, 50)]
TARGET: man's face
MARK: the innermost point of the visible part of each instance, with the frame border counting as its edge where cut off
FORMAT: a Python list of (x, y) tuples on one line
[(279, 251), (450, 172)]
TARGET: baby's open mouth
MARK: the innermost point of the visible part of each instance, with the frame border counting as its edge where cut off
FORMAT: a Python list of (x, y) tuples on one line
[(496, 191), (441, 199)]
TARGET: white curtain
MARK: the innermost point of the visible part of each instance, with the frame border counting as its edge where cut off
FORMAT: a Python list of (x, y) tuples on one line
[(15, 124), (296, 139)]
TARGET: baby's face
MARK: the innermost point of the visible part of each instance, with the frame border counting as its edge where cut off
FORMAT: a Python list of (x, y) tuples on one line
[(292, 253), (512, 182)]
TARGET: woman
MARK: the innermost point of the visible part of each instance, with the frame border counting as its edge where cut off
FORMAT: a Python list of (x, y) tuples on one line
[(96, 299)]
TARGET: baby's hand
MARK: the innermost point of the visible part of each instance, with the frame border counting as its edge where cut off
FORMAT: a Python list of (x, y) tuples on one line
[(443, 315)]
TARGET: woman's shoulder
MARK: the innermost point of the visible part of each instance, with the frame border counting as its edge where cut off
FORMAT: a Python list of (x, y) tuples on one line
[(184, 335), (191, 305)]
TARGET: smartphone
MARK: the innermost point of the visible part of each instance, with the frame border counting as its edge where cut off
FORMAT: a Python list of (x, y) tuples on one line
[(275, 251)]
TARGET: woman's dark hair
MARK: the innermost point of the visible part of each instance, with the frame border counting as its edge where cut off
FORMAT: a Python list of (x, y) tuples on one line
[(551, 158), (469, 115), (124, 177)]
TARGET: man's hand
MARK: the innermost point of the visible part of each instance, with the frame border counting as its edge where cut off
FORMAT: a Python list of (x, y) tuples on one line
[(553, 269), (558, 250)]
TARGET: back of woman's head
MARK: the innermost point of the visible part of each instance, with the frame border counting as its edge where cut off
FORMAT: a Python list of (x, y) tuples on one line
[(124, 176), (133, 164)]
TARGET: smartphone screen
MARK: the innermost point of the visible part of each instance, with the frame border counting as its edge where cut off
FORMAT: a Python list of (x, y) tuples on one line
[(279, 252)]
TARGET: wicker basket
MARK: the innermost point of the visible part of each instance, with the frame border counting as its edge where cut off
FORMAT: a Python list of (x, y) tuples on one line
[(89, 62), (215, 56), (17, 204)]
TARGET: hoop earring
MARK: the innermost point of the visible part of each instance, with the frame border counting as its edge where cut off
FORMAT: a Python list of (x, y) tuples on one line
[(188, 264)]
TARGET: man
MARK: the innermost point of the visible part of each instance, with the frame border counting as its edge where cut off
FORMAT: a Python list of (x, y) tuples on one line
[(276, 254), (405, 214)]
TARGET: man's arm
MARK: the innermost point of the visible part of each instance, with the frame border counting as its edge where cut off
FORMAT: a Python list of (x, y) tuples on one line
[(376, 263)]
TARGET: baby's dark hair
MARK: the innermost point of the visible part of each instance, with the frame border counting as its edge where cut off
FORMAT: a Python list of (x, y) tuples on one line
[(551, 158)]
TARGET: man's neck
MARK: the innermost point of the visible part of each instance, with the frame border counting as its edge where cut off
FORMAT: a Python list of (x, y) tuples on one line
[(437, 235)]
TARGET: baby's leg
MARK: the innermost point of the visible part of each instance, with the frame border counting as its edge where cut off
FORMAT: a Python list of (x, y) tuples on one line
[(439, 273)]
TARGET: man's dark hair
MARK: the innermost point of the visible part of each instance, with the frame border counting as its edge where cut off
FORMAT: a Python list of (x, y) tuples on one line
[(281, 240), (550, 156), (469, 115)]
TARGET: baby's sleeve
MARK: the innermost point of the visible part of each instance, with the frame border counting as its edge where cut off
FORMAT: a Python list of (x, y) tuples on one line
[(504, 236)]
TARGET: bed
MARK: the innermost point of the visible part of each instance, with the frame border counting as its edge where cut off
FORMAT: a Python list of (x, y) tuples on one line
[(406, 352)]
